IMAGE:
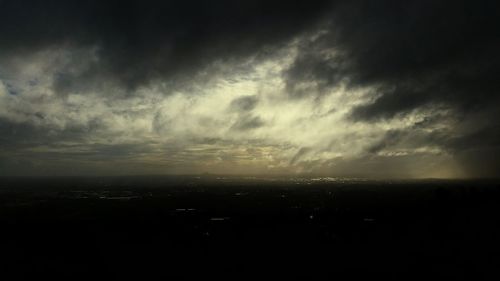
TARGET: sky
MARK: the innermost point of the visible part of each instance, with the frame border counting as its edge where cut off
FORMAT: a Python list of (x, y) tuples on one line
[(375, 89)]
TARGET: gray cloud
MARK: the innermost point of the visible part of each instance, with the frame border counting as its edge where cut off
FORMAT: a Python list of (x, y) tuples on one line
[(411, 53), (302, 151), (193, 85), (136, 42), (246, 103), (247, 122)]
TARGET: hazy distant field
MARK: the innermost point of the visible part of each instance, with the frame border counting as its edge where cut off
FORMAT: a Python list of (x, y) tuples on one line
[(247, 228)]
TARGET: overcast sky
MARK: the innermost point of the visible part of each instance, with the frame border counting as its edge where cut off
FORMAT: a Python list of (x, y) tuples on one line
[(339, 88)]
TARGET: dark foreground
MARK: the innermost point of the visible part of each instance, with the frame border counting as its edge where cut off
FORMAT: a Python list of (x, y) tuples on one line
[(230, 228)]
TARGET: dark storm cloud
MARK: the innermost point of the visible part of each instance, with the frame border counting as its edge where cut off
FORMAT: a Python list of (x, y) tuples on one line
[(302, 151), (13, 134), (412, 56), (412, 138), (414, 52), (247, 122), (246, 103), (138, 41), (390, 138), (19, 135), (476, 149), (411, 53)]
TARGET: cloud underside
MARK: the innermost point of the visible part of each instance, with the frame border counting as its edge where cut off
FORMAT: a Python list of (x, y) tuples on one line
[(354, 88)]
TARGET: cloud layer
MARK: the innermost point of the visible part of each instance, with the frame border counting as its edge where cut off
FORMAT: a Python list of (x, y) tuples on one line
[(342, 88)]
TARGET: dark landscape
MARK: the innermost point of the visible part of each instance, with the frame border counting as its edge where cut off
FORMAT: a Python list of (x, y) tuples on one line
[(210, 227), (249, 140)]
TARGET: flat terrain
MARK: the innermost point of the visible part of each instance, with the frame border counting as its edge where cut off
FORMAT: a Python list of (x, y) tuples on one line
[(248, 228)]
